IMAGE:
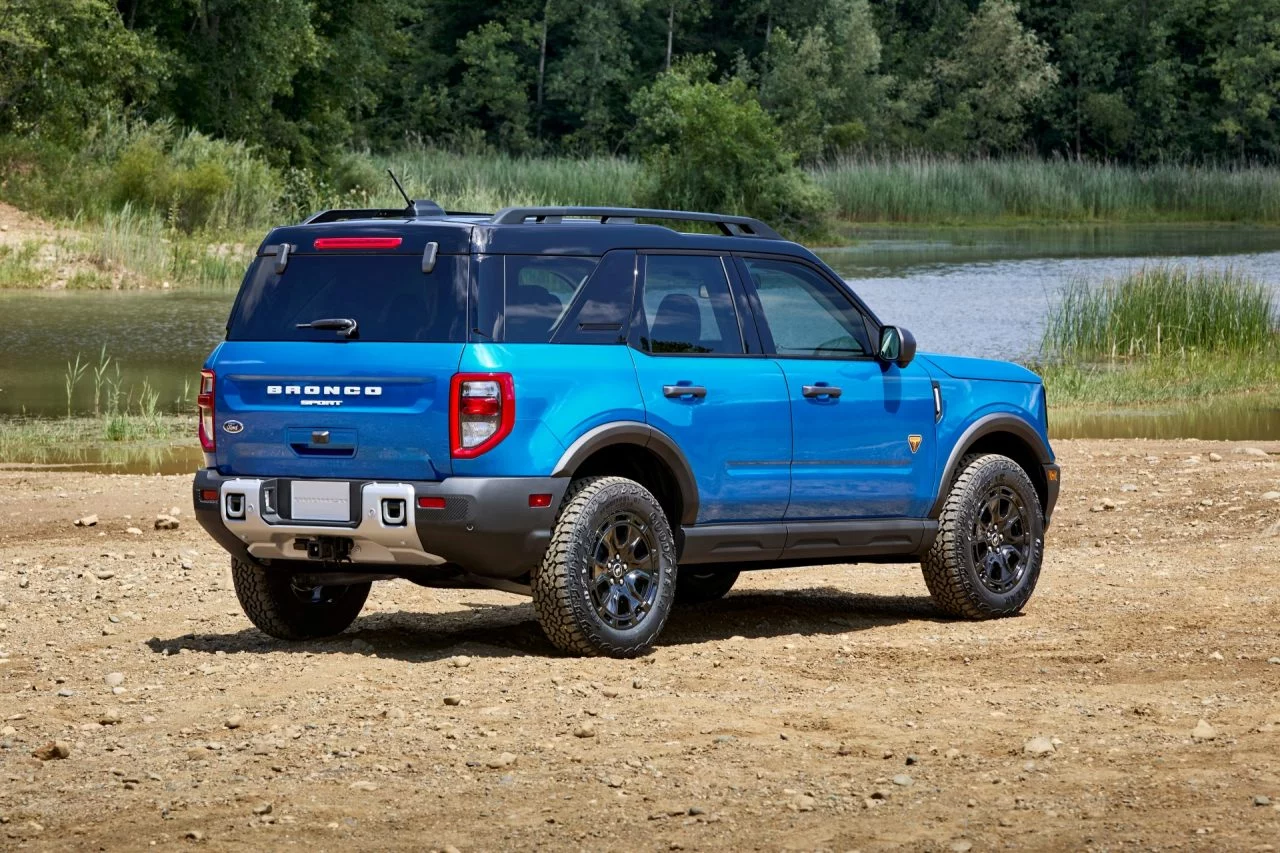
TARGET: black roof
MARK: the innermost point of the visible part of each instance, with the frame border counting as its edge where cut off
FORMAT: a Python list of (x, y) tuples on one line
[(537, 230)]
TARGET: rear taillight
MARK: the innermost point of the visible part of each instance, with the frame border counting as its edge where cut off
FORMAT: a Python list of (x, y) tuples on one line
[(482, 410), (204, 403)]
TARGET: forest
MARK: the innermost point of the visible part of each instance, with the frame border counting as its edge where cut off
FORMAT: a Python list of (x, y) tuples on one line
[(766, 93)]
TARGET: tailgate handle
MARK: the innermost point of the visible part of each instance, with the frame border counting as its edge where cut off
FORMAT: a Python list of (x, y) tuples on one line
[(340, 443)]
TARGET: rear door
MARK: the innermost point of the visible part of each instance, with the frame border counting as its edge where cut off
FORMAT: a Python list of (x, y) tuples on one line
[(863, 430), (319, 402), (706, 384)]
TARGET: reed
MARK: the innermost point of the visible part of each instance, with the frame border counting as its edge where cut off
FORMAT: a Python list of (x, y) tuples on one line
[(1158, 311), (941, 190), (486, 182)]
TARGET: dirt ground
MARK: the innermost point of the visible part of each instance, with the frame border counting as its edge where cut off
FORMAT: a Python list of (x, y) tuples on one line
[(826, 708)]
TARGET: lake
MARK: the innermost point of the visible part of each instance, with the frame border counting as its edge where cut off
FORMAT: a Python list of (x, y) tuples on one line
[(982, 292)]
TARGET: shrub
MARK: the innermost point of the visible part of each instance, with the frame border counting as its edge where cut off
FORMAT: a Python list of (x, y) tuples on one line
[(711, 146), (195, 181)]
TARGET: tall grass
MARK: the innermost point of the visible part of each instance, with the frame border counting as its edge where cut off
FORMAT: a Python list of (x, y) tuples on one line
[(487, 182), (1160, 334), (932, 189), (1161, 310), (140, 246)]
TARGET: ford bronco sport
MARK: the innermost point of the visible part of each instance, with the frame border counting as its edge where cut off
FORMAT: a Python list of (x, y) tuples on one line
[(610, 415)]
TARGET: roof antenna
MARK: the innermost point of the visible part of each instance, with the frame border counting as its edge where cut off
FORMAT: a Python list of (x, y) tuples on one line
[(408, 202)]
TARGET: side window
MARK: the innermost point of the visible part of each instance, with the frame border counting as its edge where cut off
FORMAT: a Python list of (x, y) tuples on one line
[(805, 313), (524, 298), (602, 308), (687, 306)]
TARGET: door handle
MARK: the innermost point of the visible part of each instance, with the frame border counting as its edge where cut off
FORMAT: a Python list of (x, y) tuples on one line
[(676, 391), (822, 391)]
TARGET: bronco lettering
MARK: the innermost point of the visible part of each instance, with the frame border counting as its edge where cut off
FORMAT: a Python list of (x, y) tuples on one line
[(316, 390)]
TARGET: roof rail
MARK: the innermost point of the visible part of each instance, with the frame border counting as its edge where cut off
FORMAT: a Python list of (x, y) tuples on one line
[(423, 209), (733, 226)]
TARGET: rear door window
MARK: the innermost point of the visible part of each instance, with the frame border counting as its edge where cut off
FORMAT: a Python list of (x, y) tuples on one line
[(687, 307), (389, 296)]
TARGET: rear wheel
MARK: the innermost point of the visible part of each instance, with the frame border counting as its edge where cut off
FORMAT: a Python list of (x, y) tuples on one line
[(694, 586), (985, 559), (279, 606), (608, 579)]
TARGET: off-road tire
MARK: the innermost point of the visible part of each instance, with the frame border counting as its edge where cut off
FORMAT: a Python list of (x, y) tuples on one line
[(949, 567), (694, 586), (562, 596), (269, 600)]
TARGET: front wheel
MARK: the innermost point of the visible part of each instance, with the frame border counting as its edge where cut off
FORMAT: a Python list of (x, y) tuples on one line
[(985, 559), (606, 584), (279, 606)]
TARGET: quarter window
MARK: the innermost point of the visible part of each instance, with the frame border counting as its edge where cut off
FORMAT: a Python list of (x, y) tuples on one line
[(688, 308), (807, 316)]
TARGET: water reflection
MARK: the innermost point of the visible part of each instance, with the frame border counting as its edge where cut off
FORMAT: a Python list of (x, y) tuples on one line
[(1224, 420), (125, 458)]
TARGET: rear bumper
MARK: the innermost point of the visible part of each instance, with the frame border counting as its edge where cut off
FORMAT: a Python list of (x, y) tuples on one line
[(1052, 482), (486, 525)]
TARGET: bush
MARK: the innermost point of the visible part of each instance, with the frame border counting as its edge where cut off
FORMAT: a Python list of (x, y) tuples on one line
[(711, 146), (194, 181)]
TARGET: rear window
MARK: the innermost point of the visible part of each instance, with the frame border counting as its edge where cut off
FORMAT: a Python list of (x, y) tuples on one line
[(389, 296)]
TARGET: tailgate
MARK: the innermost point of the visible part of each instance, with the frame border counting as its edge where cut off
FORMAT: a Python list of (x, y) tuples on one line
[(361, 410)]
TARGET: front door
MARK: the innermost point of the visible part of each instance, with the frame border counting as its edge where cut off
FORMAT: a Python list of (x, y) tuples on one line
[(863, 431), (706, 384)]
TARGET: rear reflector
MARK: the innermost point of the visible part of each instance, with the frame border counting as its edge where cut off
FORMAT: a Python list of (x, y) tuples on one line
[(539, 501), (430, 503), (208, 494), (323, 243)]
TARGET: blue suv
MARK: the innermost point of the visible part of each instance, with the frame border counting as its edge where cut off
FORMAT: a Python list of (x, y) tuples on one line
[(586, 406)]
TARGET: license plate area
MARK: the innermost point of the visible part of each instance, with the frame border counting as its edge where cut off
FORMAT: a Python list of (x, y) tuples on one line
[(319, 500)]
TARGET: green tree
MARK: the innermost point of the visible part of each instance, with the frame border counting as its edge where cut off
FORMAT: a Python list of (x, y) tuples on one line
[(1245, 62), (357, 44), (711, 146), (590, 77), (679, 12), (235, 58), (494, 88), (824, 88), (990, 82), (66, 63)]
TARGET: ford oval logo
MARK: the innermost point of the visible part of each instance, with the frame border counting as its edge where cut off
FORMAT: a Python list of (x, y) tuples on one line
[(233, 427)]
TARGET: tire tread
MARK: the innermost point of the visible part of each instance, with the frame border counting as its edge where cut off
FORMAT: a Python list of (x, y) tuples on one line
[(554, 599), (950, 585)]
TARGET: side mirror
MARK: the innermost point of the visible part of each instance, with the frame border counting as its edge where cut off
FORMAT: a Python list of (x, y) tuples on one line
[(897, 346)]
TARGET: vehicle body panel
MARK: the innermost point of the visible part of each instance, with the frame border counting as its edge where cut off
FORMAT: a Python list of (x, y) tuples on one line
[(853, 456), (402, 431), (737, 438)]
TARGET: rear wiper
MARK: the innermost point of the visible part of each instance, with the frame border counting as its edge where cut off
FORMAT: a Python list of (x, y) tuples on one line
[(346, 325)]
